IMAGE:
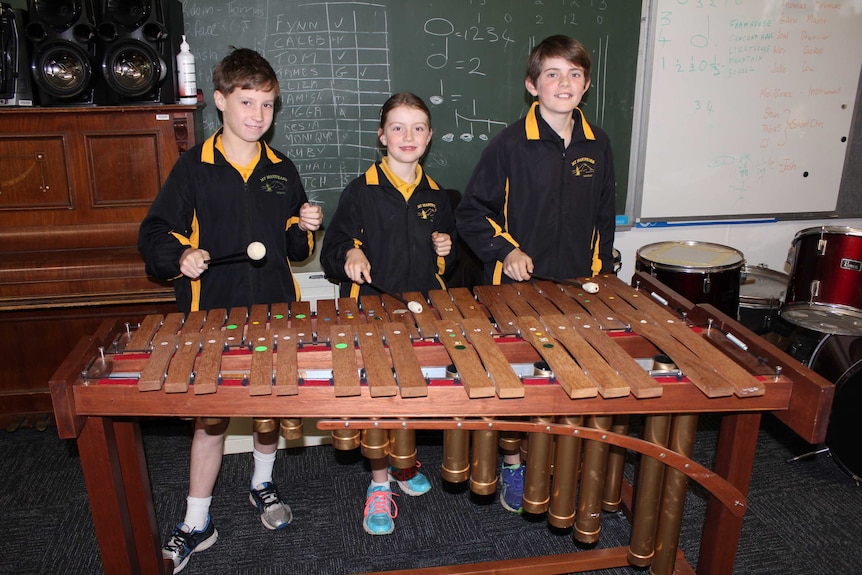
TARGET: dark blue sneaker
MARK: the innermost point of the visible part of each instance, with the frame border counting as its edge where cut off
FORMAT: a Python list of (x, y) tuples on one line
[(512, 492), (184, 541), (274, 513)]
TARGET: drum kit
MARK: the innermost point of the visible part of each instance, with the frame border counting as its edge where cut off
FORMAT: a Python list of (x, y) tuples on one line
[(814, 313)]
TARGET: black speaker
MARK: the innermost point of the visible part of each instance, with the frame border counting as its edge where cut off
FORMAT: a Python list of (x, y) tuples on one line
[(65, 63), (140, 40), (16, 87)]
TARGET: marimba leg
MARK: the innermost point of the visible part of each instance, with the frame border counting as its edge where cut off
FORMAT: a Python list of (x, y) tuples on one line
[(734, 461), (114, 465)]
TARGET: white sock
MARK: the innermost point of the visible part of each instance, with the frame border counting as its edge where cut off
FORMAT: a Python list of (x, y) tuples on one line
[(384, 484), (263, 464), (197, 510)]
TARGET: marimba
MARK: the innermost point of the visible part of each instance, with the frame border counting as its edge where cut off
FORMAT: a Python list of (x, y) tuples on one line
[(380, 366)]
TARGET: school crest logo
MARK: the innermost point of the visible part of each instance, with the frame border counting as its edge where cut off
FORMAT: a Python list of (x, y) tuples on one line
[(274, 184), (584, 167), (426, 211)]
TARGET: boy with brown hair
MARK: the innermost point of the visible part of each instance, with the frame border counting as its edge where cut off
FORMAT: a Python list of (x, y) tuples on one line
[(223, 194), (542, 196)]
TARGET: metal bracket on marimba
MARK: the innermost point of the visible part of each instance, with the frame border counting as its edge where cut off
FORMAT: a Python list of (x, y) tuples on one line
[(729, 496)]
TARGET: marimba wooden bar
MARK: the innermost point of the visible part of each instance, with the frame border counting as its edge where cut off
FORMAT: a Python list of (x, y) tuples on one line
[(380, 366)]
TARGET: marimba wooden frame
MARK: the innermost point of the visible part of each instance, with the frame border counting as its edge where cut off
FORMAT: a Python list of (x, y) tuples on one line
[(105, 421)]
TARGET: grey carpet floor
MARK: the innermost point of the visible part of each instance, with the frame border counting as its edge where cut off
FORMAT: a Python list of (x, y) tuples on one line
[(804, 518)]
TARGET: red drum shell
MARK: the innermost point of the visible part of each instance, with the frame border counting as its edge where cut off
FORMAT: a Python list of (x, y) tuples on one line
[(701, 272), (825, 289)]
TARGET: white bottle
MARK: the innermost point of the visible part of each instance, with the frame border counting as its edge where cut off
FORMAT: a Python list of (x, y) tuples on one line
[(187, 85)]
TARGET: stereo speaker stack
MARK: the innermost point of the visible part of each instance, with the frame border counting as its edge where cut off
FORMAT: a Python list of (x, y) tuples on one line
[(16, 86), (90, 52), (140, 39), (65, 56)]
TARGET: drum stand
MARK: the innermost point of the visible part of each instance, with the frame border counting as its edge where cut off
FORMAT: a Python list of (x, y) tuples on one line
[(810, 454), (825, 449)]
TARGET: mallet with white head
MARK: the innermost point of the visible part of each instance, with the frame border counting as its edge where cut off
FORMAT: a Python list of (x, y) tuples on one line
[(589, 287), (255, 251), (413, 306)]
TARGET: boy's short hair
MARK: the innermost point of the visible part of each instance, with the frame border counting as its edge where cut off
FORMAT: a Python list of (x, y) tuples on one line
[(558, 46), (245, 69)]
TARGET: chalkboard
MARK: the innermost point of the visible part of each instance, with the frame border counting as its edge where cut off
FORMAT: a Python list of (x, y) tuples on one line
[(751, 107), (338, 62)]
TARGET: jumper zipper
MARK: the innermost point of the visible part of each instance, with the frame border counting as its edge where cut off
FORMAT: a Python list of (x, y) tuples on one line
[(560, 202), (248, 230), (409, 231)]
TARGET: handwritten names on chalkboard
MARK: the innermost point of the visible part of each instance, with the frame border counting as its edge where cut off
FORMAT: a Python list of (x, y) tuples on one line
[(750, 106), (332, 61)]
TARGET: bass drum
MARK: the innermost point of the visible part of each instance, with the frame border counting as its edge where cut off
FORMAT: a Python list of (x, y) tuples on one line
[(839, 359)]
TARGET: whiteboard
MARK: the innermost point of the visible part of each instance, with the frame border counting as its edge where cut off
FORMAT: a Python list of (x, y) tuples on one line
[(749, 106)]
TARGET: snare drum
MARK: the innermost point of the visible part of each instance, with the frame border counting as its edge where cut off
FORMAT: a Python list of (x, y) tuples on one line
[(825, 289), (701, 272), (839, 359), (760, 297)]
